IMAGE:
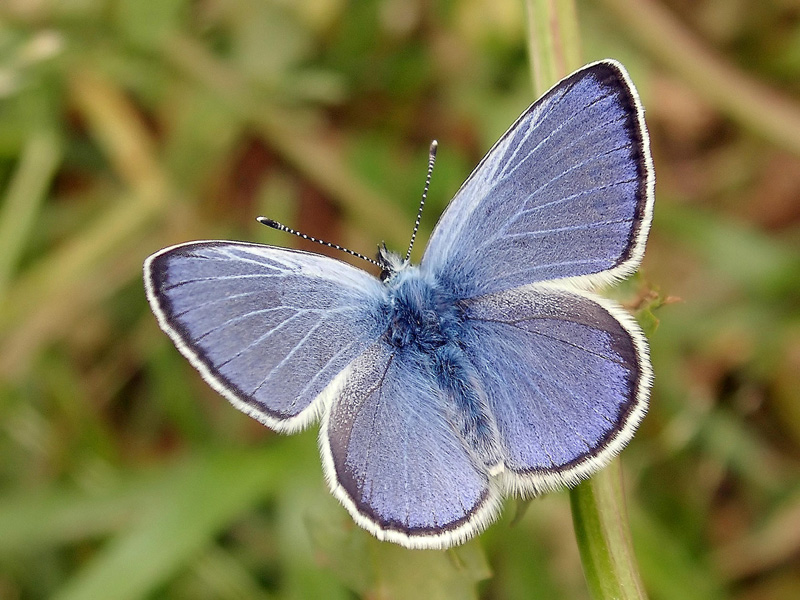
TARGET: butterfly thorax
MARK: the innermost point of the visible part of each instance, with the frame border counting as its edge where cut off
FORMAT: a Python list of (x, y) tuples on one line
[(421, 313)]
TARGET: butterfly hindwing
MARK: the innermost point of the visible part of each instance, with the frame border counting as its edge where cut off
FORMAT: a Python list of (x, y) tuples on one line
[(268, 328), (394, 459), (567, 376), (567, 192)]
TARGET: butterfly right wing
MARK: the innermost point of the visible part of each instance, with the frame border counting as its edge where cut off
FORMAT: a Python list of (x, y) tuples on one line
[(565, 194), (270, 329)]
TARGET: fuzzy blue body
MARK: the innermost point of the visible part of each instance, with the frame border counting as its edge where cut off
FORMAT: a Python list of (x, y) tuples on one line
[(426, 327)]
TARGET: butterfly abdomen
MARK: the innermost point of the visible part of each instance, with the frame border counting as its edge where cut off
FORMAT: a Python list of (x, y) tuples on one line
[(467, 406)]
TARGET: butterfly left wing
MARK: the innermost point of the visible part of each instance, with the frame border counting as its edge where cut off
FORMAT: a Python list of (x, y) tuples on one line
[(394, 459), (567, 192), (567, 376), (268, 328)]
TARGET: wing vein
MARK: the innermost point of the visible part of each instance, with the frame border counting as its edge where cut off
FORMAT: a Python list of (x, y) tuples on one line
[(515, 325), (562, 148)]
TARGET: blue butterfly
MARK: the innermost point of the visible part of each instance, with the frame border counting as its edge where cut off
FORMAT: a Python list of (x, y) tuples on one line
[(489, 369)]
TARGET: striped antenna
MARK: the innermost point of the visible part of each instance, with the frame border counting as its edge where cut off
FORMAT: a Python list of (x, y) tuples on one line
[(281, 227), (431, 161)]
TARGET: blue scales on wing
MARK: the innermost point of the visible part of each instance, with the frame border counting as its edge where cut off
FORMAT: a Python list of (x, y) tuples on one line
[(269, 328), (565, 193), (395, 460), (566, 375)]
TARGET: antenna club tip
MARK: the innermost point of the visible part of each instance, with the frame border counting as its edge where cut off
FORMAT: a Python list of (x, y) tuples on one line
[(434, 146), (269, 222)]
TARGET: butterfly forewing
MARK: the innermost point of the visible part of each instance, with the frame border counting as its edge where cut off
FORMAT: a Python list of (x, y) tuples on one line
[(565, 193), (268, 328)]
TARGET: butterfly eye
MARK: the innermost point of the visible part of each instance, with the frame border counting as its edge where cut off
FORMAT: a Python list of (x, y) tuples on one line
[(390, 262)]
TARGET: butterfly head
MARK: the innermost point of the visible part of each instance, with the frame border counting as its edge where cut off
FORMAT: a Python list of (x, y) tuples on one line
[(390, 262)]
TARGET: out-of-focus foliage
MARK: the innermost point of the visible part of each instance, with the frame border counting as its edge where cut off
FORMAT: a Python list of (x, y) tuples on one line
[(130, 125)]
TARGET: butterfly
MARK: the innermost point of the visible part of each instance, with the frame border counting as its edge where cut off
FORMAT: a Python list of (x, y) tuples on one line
[(490, 369)]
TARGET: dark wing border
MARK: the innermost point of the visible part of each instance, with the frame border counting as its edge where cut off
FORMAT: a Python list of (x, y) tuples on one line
[(298, 422), (632, 257)]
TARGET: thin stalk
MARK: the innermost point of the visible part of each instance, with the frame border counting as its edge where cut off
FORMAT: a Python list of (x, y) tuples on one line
[(598, 506), (553, 41), (604, 539)]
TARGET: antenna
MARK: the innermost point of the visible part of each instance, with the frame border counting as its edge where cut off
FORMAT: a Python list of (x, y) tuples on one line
[(282, 227), (431, 161)]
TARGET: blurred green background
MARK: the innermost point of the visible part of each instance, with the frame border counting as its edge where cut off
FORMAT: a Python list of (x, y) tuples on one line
[(130, 125)]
